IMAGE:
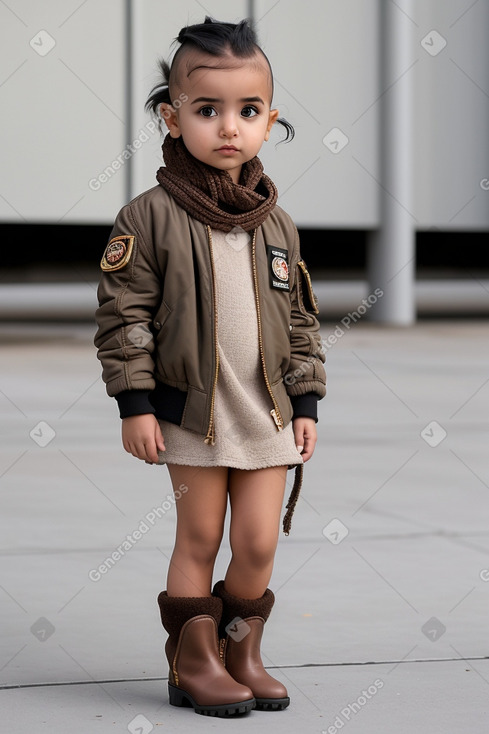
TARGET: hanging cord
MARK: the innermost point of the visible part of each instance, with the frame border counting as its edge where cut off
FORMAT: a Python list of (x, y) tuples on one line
[(293, 497)]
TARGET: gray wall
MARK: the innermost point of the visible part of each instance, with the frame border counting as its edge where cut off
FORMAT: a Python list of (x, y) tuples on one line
[(65, 112)]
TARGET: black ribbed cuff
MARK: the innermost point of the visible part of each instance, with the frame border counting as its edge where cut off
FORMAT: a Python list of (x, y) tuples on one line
[(134, 402), (305, 406)]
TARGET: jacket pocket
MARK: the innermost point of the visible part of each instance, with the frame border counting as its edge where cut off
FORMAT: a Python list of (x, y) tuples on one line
[(307, 297)]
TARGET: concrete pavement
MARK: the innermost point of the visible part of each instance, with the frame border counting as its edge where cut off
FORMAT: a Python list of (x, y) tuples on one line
[(381, 621)]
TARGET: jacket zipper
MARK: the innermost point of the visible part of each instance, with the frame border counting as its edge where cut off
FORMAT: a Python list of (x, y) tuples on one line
[(275, 412), (210, 436)]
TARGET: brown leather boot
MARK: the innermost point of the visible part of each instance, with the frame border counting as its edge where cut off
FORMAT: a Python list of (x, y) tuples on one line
[(197, 676), (241, 630)]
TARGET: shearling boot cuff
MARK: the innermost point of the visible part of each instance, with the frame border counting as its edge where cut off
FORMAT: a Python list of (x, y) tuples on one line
[(176, 610), (234, 606)]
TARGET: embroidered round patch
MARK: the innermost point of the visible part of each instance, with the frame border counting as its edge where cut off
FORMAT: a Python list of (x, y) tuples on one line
[(117, 253), (280, 268)]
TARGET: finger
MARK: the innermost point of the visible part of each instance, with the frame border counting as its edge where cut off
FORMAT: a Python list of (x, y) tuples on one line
[(305, 454), (299, 438), (131, 448), (297, 433), (127, 444), (151, 452), (309, 446), (160, 441), (138, 450)]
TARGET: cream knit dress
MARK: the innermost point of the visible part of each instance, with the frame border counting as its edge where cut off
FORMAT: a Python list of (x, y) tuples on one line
[(245, 433)]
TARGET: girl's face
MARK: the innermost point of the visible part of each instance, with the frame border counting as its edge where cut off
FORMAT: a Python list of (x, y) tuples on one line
[(227, 115)]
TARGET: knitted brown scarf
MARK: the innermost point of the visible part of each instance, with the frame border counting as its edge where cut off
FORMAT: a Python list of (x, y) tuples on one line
[(209, 194)]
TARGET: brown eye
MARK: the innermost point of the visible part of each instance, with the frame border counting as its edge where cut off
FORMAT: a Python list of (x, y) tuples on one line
[(207, 111), (249, 111)]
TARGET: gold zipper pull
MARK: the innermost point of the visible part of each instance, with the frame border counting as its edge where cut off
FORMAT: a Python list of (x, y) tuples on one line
[(222, 643), (210, 439), (277, 419)]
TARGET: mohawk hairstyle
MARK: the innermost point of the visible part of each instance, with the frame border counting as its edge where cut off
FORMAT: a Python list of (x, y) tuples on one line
[(217, 39), (214, 36)]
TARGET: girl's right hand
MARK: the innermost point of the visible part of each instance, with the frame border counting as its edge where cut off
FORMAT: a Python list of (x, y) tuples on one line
[(142, 437)]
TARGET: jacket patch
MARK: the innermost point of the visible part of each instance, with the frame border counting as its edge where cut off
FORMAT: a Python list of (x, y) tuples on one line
[(117, 253), (278, 267)]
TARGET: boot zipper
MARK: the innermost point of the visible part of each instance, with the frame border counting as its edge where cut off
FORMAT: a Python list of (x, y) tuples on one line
[(222, 645), (174, 670), (275, 412), (210, 437)]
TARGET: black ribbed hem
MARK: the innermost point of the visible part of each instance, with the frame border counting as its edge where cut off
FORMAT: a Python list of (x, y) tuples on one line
[(166, 402), (134, 402), (305, 406), (169, 402)]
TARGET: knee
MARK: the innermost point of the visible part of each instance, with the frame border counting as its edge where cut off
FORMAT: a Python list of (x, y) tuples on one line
[(256, 552), (201, 544)]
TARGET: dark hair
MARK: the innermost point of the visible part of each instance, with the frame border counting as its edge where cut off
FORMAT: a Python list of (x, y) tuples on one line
[(217, 39)]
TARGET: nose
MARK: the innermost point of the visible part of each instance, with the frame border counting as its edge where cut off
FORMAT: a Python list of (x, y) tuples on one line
[(229, 126)]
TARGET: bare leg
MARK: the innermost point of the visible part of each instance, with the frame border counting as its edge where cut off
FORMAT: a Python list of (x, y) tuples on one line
[(201, 510), (256, 499)]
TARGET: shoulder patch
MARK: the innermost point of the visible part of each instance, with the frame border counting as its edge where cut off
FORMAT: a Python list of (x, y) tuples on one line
[(117, 253)]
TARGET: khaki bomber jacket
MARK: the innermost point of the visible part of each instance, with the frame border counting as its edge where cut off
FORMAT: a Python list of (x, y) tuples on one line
[(157, 318)]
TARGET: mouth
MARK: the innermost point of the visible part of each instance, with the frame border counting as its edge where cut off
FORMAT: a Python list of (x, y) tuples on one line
[(228, 148)]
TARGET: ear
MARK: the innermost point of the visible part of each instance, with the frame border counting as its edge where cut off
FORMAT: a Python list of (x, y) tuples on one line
[(272, 119), (169, 115)]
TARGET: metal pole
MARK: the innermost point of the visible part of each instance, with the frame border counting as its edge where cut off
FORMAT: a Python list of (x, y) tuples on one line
[(391, 248)]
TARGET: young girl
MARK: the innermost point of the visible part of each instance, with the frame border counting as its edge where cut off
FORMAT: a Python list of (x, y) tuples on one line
[(209, 340)]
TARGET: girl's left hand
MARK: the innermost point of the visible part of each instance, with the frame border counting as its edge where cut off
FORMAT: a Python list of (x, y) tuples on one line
[(305, 436)]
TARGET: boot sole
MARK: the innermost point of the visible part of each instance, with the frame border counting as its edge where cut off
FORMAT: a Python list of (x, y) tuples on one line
[(272, 704), (179, 697)]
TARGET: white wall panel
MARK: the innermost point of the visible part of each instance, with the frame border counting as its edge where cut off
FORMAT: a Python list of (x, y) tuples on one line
[(61, 94), (325, 61), (451, 115), (155, 25)]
